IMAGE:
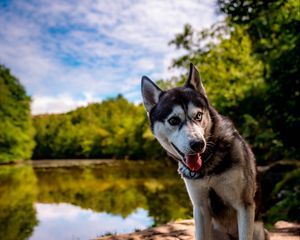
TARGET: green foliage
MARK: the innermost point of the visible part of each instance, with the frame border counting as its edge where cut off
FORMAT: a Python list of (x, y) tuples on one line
[(229, 72), (233, 79), (274, 30), (16, 131), (250, 67), (288, 192), (114, 128)]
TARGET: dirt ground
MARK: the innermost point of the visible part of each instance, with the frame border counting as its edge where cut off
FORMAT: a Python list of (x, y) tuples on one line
[(184, 230)]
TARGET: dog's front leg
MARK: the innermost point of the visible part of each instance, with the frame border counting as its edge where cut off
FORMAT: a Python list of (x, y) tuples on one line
[(245, 215), (203, 224), (198, 193)]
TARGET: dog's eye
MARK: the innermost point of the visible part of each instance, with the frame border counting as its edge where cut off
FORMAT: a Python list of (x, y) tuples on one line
[(198, 116), (174, 121)]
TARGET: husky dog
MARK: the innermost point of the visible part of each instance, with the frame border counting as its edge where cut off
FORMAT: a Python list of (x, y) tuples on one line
[(215, 162)]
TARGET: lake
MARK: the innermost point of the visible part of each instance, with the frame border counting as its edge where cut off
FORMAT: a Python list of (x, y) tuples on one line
[(87, 199)]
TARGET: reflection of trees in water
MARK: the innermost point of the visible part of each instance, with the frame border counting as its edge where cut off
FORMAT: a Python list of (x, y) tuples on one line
[(169, 203), (17, 194), (118, 190)]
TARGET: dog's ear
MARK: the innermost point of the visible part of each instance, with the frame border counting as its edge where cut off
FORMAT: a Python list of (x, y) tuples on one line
[(194, 80), (150, 93)]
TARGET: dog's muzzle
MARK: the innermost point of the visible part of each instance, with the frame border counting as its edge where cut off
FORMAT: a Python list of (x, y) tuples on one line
[(191, 161)]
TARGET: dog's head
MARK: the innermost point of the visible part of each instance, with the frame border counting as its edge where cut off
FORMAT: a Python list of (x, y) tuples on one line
[(179, 118)]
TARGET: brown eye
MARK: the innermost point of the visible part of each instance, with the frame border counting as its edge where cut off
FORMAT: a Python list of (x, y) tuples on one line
[(174, 121), (198, 116)]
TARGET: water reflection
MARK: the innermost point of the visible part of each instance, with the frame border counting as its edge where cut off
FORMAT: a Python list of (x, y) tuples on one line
[(18, 191), (130, 195), (66, 221)]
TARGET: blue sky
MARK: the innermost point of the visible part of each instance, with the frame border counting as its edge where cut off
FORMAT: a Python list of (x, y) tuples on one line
[(66, 221), (71, 53)]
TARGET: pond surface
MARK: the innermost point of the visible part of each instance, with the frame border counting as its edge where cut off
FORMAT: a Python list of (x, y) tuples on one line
[(87, 201)]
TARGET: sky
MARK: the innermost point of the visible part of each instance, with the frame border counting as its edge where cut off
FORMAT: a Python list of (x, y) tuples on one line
[(65, 221), (70, 53)]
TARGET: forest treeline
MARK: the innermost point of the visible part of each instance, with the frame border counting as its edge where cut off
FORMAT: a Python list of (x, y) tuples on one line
[(249, 64), (114, 128), (16, 129)]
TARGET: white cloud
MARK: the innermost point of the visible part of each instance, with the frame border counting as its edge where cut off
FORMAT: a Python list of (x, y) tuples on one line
[(61, 49), (65, 221), (146, 64), (60, 104)]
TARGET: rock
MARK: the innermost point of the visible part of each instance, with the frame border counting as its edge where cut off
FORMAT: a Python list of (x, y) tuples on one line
[(269, 176), (285, 231), (184, 230)]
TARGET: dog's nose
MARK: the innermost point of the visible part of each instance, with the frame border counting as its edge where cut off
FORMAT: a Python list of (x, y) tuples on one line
[(197, 146)]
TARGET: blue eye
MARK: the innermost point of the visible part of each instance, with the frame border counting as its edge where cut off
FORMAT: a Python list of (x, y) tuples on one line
[(174, 121), (198, 116)]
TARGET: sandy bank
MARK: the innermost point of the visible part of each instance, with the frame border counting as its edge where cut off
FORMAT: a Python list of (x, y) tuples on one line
[(184, 230)]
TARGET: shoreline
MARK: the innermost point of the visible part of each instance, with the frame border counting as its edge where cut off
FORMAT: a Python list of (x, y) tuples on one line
[(184, 230), (49, 163)]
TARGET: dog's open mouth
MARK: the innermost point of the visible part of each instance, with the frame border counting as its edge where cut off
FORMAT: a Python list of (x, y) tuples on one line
[(193, 162)]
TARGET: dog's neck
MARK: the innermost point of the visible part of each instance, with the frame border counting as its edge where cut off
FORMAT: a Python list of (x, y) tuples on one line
[(210, 151)]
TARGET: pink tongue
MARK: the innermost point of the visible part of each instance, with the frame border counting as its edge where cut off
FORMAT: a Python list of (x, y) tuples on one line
[(194, 162)]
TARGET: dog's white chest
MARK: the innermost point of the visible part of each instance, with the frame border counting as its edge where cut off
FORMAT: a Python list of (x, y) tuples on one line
[(197, 190), (228, 186)]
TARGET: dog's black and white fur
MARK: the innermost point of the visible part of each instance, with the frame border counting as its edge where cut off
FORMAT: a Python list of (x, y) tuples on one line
[(216, 163)]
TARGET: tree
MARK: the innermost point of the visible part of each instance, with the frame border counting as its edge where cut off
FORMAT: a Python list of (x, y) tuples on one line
[(223, 54), (233, 77), (114, 128), (250, 67), (16, 130), (274, 30)]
